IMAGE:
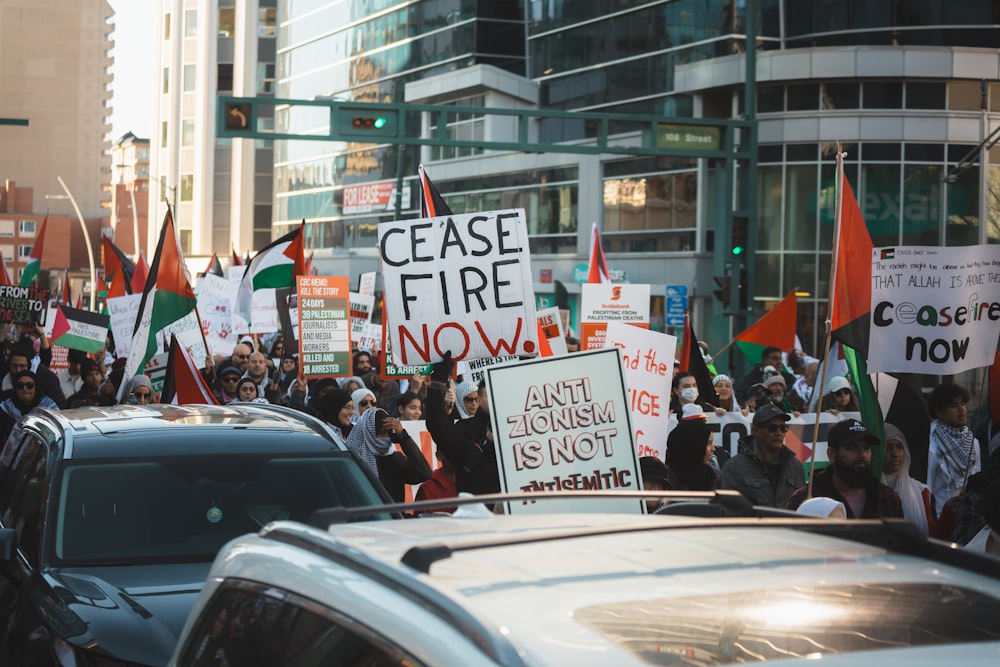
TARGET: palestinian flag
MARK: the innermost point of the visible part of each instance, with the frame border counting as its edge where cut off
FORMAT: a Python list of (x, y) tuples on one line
[(115, 262), (235, 259), (79, 329), (30, 275), (166, 298), (183, 383), (273, 267), (139, 277), (118, 286), (775, 329), (851, 301), (5, 278), (214, 267), (432, 204), (692, 362), (597, 271)]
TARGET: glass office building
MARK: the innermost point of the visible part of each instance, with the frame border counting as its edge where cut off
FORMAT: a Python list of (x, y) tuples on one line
[(907, 88)]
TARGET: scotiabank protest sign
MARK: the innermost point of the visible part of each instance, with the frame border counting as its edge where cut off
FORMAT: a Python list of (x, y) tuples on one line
[(459, 284)]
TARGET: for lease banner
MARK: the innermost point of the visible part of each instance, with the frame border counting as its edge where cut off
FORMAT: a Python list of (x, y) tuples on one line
[(563, 424), (459, 284), (934, 310)]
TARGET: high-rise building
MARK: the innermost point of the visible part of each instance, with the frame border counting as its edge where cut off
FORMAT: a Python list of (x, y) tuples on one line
[(55, 72), (129, 194), (220, 190), (908, 88)]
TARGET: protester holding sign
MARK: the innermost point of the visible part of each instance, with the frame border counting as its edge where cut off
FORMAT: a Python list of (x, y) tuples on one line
[(954, 453)]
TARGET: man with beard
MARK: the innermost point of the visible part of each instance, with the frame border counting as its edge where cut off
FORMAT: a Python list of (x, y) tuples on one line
[(849, 476)]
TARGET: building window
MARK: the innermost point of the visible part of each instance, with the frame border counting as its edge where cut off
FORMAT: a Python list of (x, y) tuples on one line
[(166, 26), (7, 229), (227, 21), (24, 251), (224, 77), (189, 73), (187, 187), (463, 127), (7, 250), (266, 21), (166, 79), (187, 132), (163, 134), (265, 78), (190, 22), (26, 227), (650, 213)]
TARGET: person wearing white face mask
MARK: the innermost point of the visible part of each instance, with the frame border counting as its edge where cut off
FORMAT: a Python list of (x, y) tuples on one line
[(685, 392)]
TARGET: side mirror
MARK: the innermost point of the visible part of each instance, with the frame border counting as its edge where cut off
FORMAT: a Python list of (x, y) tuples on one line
[(8, 544)]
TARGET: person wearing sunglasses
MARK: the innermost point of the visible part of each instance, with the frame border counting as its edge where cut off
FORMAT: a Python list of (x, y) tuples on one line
[(839, 396), (363, 400), (765, 470), (229, 377), (139, 391), (25, 397)]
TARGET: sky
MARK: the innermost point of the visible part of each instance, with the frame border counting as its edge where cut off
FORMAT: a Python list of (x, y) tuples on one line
[(135, 59)]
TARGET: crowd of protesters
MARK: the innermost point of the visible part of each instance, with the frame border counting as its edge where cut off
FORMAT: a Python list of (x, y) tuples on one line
[(955, 498)]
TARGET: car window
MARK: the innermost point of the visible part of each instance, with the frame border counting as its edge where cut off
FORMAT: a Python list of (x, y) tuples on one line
[(185, 508), (24, 490), (249, 624), (757, 626)]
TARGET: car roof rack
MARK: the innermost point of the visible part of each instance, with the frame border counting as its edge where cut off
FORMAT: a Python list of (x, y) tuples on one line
[(723, 508)]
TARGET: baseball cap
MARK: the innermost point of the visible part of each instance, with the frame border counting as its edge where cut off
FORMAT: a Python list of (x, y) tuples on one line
[(837, 383), (230, 370), (848, 431), (767, 412)]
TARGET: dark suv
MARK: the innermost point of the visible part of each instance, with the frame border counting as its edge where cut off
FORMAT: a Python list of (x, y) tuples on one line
[(110, 518)]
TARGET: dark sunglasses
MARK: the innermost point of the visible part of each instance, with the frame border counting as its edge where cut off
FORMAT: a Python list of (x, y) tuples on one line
[(25, 385), (843, 392), (366, 403), (230, 378), (775, 428)]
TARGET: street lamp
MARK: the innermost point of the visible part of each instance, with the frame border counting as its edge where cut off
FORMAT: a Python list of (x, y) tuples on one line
[(86, 237)]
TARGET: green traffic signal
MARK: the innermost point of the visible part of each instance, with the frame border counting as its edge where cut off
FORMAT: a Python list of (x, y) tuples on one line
[(379, 123), (737, 250)]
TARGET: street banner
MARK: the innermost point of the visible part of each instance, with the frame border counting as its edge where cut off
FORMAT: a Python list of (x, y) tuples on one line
[(563, 424), (123, 311), (551, 323), (935, 310), (27, 305), (362, 306), (601, 303), (459, 284), (366, 285), (648, 360), (324, 326)]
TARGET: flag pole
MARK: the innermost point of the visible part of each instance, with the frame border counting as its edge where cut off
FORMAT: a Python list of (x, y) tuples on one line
[(825, 365)]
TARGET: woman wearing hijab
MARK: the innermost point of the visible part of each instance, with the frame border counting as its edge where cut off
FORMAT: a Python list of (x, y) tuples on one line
[(337, 410), (364, 400), (351, 383), (467, 399), (913, 494), (247, 391), (139, 391), (725, 399), (372, 440), (25, 396), (689, 450), (824, 508)]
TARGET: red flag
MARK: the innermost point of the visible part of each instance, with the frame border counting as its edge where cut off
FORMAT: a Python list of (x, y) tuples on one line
[(115, 261), (598, 268), (5, 278), (117, 287), (139, 277), (66, 298), (776, 328), (214, 268), (851, 292), (183, 382), (79, 301), (432, 204), (309, 265)]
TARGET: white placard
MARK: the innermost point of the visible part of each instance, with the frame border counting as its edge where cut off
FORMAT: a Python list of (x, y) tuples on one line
[(459, 284), (216, 322), (367, 283), (563, 424), (935, 310), (123, 311), (362, 306), (648, 360)]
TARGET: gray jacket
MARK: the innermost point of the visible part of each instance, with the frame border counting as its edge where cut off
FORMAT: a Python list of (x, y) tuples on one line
[(748, 473)]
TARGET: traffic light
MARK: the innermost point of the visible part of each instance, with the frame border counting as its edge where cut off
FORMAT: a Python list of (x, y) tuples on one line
[(741, 292), (238, 116), (723, 291), (366, 122), (738, 237)]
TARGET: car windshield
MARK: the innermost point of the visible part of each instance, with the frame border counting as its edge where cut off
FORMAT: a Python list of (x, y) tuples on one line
[(176, 509)]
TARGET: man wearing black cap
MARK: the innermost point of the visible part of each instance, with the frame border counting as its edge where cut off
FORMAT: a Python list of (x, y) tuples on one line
[(765, 471), (229, 378), (849, 476)]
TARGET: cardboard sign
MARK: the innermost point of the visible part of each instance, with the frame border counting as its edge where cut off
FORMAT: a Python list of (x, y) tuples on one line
[(648, 359), (24, 305), (123, 311), (217, 324), (361, 312), (366, 284), (324, 326), (550, 321), (371, 337), (563, 424), (603, 303), (934, 310), (459, 284)]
